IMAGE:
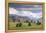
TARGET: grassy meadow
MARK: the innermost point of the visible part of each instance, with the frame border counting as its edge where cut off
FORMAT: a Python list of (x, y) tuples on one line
[(12, 26)]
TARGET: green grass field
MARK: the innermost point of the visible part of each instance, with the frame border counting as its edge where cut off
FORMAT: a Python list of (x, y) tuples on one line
[(12, 26)]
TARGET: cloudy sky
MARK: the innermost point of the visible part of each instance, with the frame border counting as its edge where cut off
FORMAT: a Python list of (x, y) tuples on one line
[(26, 10)]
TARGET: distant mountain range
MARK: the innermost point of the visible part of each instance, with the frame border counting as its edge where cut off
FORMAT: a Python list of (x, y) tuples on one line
[(25, 17)]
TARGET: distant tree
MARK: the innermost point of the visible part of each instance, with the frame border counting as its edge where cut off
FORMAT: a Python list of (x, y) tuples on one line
[(13, 18), (18, 20), (20, 24), (38, 23), (29, 24), (16, 25), (27, 21)]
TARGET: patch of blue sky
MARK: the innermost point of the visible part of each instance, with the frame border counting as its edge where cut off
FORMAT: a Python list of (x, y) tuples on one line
[(24, 5)]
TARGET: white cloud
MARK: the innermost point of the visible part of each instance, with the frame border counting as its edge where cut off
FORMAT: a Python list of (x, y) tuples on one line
[(12, 10), (24, 13)]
